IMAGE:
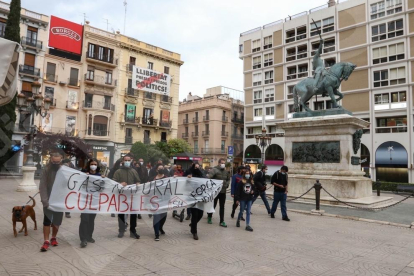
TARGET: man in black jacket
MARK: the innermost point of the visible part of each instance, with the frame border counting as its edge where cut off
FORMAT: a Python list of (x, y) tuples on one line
[(280, 181), (260, 181)]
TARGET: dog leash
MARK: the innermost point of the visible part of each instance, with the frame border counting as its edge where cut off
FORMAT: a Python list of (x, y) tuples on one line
[(32, 197)]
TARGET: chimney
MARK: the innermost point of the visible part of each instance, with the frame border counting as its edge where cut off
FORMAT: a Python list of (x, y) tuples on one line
[(331, 3)]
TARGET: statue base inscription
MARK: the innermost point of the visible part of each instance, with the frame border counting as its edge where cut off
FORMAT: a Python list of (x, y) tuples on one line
[(322, 148), (318, 113)]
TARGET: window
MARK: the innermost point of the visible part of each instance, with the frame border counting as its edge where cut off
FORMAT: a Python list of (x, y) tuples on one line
[(268, 59), (381, 78), (258, 112), (291, 73), (100, 126), (132, 60), (148, 113), (269, 95), (195, 146), (50, 72), (291, 54), (257, 79), (388, 53), (166, 70), (256, 45), (382, 98), (329, 104), (147, 137), (329, 45), (128, 132), (186, 131), (240, 48), (207, 127), (2, 26), (108, 77), (319, 105), (269, 77), (329, 62), (270, 111), (74, 75), (90, 74), (377, 10), (100, 53), (398, 97), (108, 56), (397, 75), (390, 30), (326, 25), (292, 110), (257, 98), (267, 42), (150, 65), (301, 33), (391, 122), (290, 92), (298, 52), (107, 104), (394, 6), (290, 36), (91, 50), (31, 36), (303, 70), (257, 62), (196, 129), (314, 26)]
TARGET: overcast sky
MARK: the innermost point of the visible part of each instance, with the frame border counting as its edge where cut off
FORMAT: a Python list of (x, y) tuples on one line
[(205, 32)]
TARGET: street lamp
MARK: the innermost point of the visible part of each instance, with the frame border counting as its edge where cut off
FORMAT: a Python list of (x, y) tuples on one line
[(263, 141), (35, 105)]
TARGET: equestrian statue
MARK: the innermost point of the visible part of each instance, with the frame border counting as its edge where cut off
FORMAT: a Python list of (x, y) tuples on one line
[(325, 82)]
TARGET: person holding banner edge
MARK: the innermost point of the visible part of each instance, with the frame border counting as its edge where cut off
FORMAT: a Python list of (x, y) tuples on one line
[(159, 219), (87, 221), (195, 213), (126, 175)]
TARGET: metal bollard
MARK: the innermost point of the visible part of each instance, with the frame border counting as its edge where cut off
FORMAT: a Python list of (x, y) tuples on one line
[(378, 188), (177, 216), (318, 188)]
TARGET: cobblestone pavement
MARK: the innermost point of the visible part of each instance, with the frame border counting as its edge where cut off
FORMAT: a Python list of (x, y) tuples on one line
[(308, 245)]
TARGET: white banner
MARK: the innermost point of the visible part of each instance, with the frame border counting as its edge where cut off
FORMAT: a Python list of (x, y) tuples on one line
[(77, 192), (150, 80)]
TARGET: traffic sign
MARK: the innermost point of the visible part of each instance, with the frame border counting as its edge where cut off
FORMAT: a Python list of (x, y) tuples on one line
[(230, 150)]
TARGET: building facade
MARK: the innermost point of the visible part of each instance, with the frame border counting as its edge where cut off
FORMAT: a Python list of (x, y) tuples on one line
[(377, 36), (212, 123)]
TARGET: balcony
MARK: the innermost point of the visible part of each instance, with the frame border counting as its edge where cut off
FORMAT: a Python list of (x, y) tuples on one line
[(166, 124), (165, 99), (29, 70), (237, 136), (303, 74), (30, 42), (149, 121), (98, 105), (391, 129), (132, 120), (99, 132), (184, 135), (213, 151), (75, 82), (150, 96), (185, 121), (224, 118), (195, 120), (237, 120), (206, 118), (99, 80), (50, 78), (206, 133), (195, 150), (131, 92), (101, 59), (224, 134), (128, 140), (72, 105), (194, 134)]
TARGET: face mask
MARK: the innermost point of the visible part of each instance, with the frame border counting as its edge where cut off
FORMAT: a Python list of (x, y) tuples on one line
[(283, 173), (93, 167), (55, 167), (222, 166), (142, 163), (127, 164), (247, 176), (265, 171), (160, 171)]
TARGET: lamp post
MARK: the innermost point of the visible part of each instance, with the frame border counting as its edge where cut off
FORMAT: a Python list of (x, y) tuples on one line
[(263, 141), (35, 105)]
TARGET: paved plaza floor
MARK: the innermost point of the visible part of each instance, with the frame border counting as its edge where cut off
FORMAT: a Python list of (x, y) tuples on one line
[(307, 245)]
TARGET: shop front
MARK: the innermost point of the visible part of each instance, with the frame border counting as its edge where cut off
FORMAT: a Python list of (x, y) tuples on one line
[(253, 163), (104, 154), (186, 160)]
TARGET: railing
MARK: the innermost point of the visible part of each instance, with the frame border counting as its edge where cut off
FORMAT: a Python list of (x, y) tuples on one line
[(72, 105), (98, 105), (99, 132), (318, 8), (150, 121), (366, 131), (131, 92), (206, 133), (224, 133), (29, 70), (102, 57), (128, 140), (194, 134), (50, 77), (165, 123), (302, 74), (132, 120), (150, 95), (224, 118), (74, 82), (185, 121), (291, 56), (129, 67), (184, 135), (195, 150), (291, 76), (28, 41), (296, 16), (195, 120), (237, 120), (99, 79), (329, 49), (395, 129), (166, 99), (251, 31), (237, 136), (206, 118), (273, 23), (213, 151)]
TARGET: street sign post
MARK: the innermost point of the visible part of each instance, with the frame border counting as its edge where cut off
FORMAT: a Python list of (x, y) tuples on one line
[(230, 150)]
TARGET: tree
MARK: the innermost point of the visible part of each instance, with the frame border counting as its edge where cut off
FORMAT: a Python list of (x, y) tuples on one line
[(173, 147), (139, 150), (150, 153), (8, 111)]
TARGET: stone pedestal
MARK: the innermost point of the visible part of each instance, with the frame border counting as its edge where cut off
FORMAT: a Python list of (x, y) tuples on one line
[(28, 184), (321, 148)]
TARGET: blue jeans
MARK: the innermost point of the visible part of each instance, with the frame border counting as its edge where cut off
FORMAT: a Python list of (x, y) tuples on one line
[(282, 198), (264, 198), (158, 222), (245, 204)]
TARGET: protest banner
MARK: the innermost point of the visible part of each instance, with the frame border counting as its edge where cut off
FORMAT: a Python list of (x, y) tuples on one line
[(77, 192)]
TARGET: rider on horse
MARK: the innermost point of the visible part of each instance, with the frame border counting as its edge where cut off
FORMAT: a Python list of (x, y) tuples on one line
[(318, 67)]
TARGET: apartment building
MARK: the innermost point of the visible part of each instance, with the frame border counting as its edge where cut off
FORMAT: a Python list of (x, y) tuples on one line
[(34, 34), (378, 37), (212, 123), (148, 113)]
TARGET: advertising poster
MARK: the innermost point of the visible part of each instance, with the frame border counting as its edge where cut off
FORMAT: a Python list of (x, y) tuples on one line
[(49, 92), (130, 112), (65, 35), (151, 81), (73, 99), (47, 122), (70, 128)]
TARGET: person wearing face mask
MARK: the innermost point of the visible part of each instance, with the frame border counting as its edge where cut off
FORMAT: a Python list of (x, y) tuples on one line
[(244, 196), (194, 213), (142, 170), (260, 182), (280, 181), (159, 219), (235, 179), (51, 218), (220, 173), (126, 175), (87, 221)]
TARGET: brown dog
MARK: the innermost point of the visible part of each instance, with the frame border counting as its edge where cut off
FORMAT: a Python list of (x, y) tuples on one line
[(20, 213)]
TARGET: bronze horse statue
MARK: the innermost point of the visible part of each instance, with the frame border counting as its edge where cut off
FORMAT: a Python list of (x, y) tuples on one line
[(328, 85)]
